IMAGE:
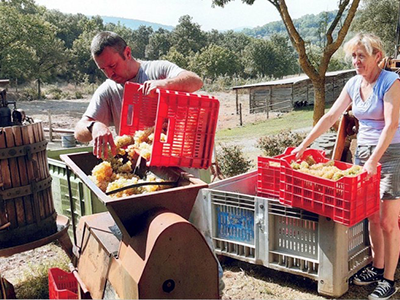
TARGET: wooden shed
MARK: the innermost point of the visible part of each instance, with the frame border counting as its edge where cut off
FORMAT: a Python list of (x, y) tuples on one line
[(283, 95), (4, 83)]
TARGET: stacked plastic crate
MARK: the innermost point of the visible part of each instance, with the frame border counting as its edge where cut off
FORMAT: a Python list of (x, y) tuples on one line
[(250, 224)]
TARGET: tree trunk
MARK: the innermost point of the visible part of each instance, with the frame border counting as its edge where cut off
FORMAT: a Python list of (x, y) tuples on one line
[(319, 98), (39, 89)]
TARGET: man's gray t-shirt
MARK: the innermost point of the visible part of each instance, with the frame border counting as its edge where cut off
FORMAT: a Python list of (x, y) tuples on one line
[(106, 103)]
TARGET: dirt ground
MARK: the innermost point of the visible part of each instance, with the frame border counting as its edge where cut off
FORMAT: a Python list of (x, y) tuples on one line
[(242, 280)]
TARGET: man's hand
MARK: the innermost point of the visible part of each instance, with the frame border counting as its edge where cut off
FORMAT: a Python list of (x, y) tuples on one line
[(99, 133), (186, 81), (102, 139), (151, 85)]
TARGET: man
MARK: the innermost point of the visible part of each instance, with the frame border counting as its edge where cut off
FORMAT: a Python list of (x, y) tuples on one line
[(113, 56)]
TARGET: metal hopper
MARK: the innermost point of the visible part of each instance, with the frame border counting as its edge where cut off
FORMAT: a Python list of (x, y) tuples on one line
[(128, 211)]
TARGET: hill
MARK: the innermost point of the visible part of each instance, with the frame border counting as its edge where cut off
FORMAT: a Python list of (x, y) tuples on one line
[(135, 24), (309, 26)]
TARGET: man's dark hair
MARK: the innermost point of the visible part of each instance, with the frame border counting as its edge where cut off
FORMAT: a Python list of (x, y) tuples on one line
[(107, 39)]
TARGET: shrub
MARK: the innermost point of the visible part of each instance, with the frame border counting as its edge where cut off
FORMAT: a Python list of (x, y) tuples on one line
[(66, 95), (30, 93), (276, 144), (89, 89), (55, 93), (78, 95), (232, 161)]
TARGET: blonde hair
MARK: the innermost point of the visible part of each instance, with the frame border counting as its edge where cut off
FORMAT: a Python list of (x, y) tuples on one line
[(369, 41)]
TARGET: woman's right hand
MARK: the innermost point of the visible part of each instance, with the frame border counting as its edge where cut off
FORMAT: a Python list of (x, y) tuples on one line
[(298, 151)]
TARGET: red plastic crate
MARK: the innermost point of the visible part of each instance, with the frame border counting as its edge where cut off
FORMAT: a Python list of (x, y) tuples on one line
[(268, 174), (191, 124), (348, 200), (62, 285)]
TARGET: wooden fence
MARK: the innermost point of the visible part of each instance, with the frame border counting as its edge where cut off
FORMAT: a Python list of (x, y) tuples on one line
[(284, 95)]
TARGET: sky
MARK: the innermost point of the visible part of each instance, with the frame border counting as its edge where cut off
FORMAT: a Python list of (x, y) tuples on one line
[(234, 15)]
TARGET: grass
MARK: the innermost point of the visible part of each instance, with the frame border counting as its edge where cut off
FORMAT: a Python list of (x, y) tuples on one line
[(31, 280), (294, 120)]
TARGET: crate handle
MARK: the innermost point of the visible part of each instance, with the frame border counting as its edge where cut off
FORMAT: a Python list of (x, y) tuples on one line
[(317, 152), (129, 115), (169, 132), (288, 150)]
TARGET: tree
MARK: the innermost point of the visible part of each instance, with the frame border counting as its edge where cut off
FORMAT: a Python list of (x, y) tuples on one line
[(382, 12), (187, 36), (82, 64), (159, 44), (177, 57), (49, 56), (28, 47), (233, 41), (14, 49), (68, 26), (285, 56), (215, 61), (261, 57), (316, 73), (140, 39)]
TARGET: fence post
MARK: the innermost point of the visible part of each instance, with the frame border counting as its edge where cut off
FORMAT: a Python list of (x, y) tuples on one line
[(240, 114), (251, 99), (50, 127), (269, 101), (237, 102)]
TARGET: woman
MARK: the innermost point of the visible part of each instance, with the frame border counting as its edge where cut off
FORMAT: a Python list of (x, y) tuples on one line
[(375, 98)]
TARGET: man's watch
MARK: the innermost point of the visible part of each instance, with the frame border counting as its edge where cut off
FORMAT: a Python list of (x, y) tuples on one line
[(90, 126)]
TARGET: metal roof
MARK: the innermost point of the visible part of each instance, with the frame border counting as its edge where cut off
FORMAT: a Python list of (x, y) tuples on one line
[(291, 80)]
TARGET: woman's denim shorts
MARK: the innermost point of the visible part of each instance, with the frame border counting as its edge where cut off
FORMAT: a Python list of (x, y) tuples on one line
[(390, 173)]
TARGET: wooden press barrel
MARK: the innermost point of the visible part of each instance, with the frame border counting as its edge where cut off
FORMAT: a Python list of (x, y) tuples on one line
[(26, 205)]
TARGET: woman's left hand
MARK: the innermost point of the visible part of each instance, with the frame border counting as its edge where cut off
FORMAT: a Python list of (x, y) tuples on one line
[(371, 167)]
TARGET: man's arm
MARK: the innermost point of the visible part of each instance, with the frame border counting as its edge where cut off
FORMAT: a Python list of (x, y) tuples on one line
[(82, 133), (186, 81), (88, 129)]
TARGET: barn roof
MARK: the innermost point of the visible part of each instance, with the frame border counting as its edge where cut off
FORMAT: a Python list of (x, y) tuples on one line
[(291, 80)]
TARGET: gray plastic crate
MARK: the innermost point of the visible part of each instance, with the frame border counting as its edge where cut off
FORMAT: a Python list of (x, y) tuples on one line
[(84, 200), (262, 231)]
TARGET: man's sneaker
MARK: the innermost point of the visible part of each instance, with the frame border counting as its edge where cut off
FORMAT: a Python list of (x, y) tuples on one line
[(367, 276), (384, 290)]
